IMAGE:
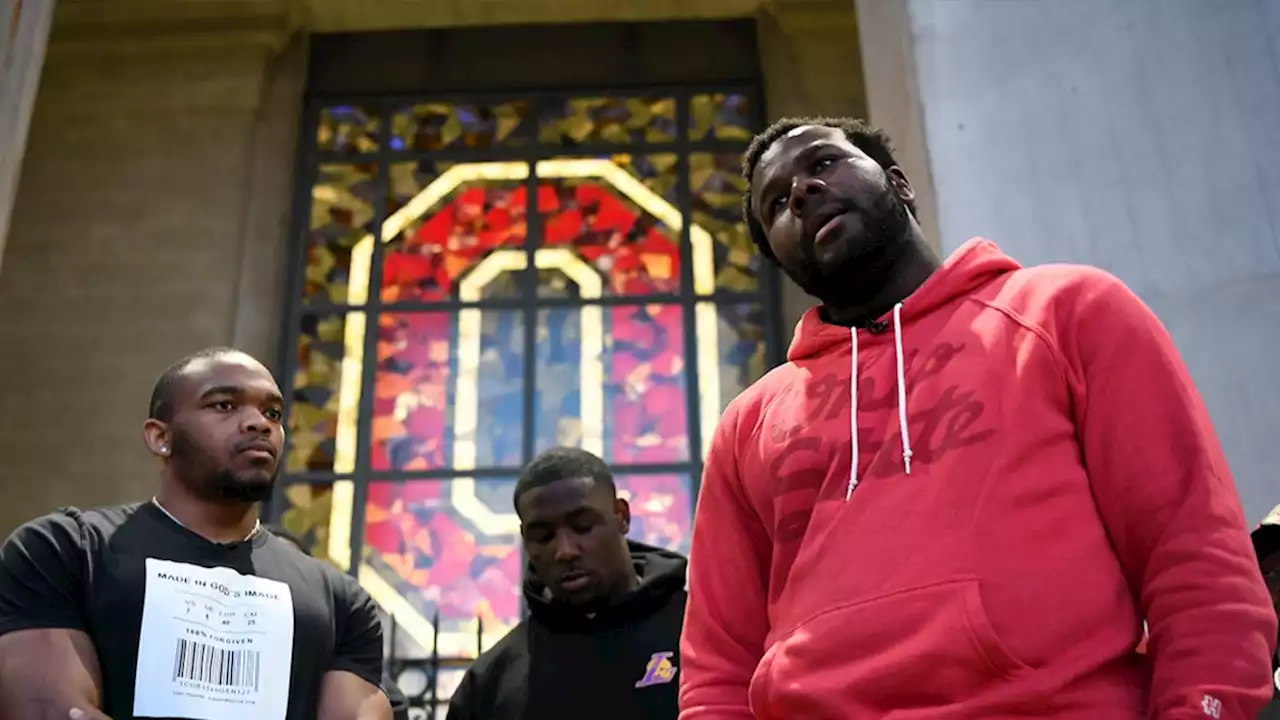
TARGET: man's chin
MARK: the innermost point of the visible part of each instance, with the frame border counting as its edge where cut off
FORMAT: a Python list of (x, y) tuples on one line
[(254, 488), (824, 281), (584, 598), (836, 255), (843, 271)]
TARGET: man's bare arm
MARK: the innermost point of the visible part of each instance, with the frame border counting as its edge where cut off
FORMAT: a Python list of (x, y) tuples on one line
[(46, 673), (347, 696)]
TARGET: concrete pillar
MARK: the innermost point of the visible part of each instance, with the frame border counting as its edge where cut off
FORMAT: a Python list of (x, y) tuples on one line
[(893, 97), (22, 45), (1101, 132)]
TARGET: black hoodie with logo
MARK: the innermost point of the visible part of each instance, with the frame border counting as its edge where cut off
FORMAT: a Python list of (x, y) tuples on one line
[(620, 662), (1272, 711)]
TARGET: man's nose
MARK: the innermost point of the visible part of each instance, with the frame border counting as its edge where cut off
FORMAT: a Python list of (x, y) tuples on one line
[(804, 190), (255, 422), (566, 547)]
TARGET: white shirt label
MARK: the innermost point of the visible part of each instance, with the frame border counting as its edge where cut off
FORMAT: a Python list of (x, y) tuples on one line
[(215, 645)]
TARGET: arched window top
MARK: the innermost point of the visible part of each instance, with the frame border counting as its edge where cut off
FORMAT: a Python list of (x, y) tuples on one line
[(547, 270)]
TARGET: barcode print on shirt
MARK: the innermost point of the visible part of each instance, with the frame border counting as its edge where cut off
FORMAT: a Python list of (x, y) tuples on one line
[(216, 666)]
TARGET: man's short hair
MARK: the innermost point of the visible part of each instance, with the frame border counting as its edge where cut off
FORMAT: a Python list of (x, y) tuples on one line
[(563, 463), (162, 394), (870, 140)]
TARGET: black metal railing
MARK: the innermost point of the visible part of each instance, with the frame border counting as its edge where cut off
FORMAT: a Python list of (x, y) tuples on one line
[(423, 674)]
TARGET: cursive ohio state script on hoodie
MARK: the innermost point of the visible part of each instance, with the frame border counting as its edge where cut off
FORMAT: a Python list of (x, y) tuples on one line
[(968, 510)]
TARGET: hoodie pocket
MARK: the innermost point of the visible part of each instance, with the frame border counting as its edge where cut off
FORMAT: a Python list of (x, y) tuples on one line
[(920, 647)]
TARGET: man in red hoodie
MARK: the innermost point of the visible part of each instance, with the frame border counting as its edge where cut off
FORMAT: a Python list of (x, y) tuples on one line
[(965, 490)]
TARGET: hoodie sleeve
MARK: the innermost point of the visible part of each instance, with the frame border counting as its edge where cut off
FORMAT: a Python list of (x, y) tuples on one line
[(462, 706), (726, 618), (1170, 508)]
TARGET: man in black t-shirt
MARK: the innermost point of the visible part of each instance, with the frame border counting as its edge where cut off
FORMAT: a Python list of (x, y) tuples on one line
[(182, 606), (399, 703)]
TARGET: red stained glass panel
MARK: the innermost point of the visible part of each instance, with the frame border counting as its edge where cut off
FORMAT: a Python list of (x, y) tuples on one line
[(445, 556), (424, 361), (661, 509), (617, 234), (645, 418), (435, 249)]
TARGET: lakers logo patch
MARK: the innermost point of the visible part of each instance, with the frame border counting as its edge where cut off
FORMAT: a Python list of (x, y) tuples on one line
[(659, 671)]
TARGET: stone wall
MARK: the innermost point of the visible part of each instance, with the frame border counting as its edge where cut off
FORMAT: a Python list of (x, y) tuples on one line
[(152, 217), (149, 222)]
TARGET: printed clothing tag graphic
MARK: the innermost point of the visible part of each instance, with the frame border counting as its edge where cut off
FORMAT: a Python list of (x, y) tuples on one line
[(215, 645)]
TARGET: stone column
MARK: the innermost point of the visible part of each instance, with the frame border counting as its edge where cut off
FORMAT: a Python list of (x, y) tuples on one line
[(22, 44), (893, 97)]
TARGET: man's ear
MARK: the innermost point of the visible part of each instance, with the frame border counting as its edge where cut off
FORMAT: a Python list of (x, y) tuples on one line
[(901, 184), (622, 510), (158, 438)]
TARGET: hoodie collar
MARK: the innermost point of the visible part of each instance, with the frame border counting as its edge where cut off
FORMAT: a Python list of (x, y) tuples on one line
[(662, 575), (970, 267)]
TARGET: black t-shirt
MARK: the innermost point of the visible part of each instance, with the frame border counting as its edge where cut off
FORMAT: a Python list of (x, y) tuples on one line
[(88, 570)]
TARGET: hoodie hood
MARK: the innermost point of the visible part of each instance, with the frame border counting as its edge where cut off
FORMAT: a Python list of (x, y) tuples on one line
[(972, 266), (1266, 537), (662, 575)]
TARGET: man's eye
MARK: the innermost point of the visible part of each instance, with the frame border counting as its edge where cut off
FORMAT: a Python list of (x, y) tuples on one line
[(778, 202), (275, 414), (823, 164), (224, 406)]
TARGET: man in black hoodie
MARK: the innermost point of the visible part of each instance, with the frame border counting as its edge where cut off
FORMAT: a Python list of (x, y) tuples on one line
[(605, 612), (1266, 543)]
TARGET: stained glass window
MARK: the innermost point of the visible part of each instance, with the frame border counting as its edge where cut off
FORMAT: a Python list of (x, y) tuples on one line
[(349, 129), (342, 212), (479, 281), (449, 548), (440, 125)]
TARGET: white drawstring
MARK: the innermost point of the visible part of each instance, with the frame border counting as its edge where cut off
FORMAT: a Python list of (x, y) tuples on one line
[(902, 400), (902, 388), (853, 414)]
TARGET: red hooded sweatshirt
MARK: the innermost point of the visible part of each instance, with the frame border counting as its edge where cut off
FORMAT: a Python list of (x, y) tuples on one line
[(1029, 474)]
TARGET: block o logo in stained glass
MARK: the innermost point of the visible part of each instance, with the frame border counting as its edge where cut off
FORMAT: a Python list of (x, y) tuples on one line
[(471, 287)]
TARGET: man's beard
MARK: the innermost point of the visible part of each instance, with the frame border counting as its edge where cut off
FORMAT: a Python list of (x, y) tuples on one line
[(861, 269), (208, 480), (230, 487)]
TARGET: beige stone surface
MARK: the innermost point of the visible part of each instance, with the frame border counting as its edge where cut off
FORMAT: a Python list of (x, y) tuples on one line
[(24, 34), (152, 217), (141, 190)]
